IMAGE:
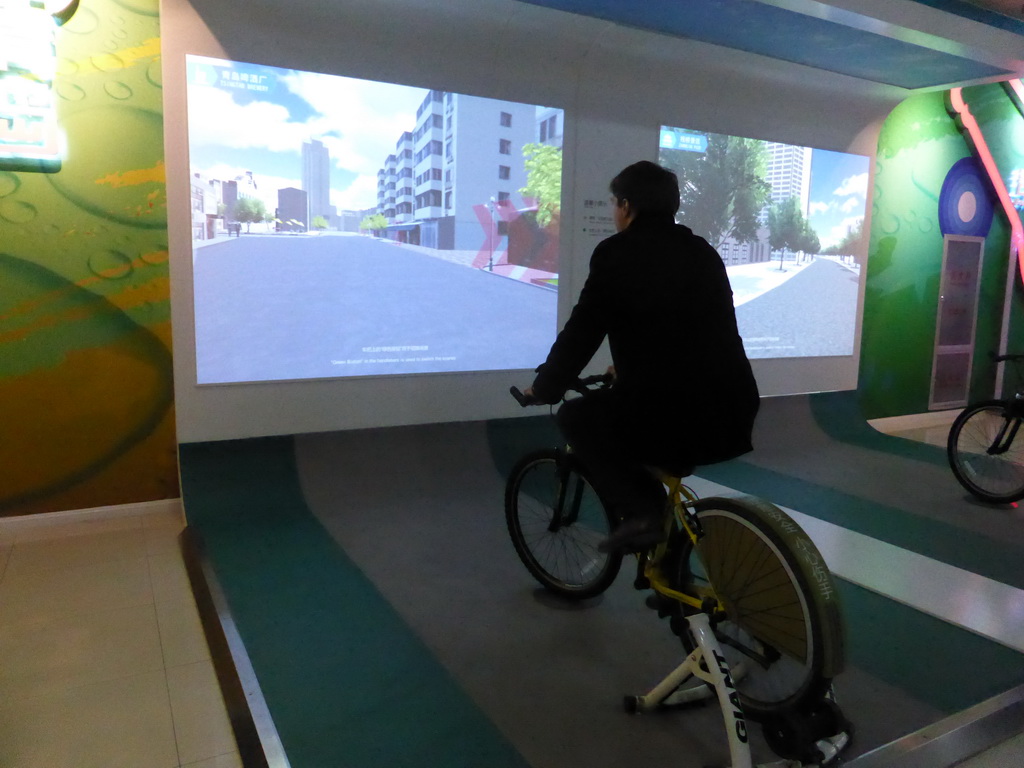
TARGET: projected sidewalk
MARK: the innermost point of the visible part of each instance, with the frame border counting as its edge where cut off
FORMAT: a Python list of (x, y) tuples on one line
[(273, 307)]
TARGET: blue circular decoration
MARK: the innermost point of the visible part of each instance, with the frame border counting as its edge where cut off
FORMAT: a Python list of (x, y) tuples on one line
[(965, 202)]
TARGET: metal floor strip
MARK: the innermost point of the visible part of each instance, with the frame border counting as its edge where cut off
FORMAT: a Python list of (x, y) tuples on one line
[(954, 739), (258, 741)]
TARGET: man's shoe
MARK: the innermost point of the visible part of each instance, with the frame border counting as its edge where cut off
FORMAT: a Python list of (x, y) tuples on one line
[(634, 534)]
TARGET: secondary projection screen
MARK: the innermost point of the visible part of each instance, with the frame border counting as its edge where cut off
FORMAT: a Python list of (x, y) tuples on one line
[(345, 227), (788, 222)]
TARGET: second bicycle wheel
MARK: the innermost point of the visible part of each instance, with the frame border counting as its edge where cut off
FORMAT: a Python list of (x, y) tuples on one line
[(556, 521), (986, 452), (782, 635)]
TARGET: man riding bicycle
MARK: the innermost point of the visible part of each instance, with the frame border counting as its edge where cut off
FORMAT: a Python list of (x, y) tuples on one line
[(684, 393)]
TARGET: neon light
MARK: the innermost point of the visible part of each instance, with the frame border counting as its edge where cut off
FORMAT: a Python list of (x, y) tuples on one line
[(1018, 88), (956, 99)]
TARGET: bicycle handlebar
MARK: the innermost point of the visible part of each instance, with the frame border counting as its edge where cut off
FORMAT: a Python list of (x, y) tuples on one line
[(522, 399), (583, 386)]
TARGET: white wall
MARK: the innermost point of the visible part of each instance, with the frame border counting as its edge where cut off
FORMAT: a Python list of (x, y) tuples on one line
[(617, 85)]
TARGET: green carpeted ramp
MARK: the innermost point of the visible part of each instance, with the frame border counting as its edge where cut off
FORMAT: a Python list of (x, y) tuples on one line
[(346, 681)]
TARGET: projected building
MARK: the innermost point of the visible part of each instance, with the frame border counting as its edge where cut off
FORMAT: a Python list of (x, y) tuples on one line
[(349, 220), (404, 190), (215, 202), (292, 208), (386, 185), (550, 123), (229, 193), (207, 196), (316, 180), (446, 182), (789, 173)]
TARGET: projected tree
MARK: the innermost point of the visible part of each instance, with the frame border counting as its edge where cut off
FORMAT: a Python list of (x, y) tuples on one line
[(249, 211), (852, 244), (375, 222), (722, 190), (788, 228), (543, 180)]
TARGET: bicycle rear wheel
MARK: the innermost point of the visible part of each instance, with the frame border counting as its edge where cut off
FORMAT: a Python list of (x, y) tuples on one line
[(783, 620), (556, 520), (986, 452)]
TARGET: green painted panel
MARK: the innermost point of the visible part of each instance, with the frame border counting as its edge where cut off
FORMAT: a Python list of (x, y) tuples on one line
[(918, 145)]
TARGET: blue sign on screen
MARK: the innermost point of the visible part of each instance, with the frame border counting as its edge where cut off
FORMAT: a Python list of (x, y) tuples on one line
[(690, 142)]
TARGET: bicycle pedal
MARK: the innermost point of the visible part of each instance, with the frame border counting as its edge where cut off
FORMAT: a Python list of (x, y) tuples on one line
[(656, 602)]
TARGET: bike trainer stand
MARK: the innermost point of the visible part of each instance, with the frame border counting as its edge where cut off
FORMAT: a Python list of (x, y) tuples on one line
[(708, 663)]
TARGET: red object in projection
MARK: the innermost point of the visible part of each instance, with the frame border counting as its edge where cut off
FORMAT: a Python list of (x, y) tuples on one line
[(489, 255)]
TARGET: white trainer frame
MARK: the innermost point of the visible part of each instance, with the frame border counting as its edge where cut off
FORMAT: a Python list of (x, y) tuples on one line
[(717, 675)]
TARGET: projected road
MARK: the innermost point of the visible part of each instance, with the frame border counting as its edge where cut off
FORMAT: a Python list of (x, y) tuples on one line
[(278, 307), (808, 315)]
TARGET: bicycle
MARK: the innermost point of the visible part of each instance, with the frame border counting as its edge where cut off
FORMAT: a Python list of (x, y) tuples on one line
[(982, 447), (743, 587)]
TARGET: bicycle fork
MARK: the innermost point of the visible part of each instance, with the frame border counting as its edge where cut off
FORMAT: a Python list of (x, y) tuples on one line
[(1004, 439), (568, 496)]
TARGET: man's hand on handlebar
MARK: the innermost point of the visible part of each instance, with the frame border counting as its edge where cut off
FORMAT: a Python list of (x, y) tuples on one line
[(583, 386), (526, 398)]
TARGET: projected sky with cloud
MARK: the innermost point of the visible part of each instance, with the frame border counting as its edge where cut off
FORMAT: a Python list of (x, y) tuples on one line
[(357, 120), (838, 194)]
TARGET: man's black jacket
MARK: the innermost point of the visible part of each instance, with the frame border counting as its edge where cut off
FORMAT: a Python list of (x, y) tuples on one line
[(662, 297)]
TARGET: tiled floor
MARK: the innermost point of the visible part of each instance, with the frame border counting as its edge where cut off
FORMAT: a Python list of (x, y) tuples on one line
[(102, 657), (931, 428)]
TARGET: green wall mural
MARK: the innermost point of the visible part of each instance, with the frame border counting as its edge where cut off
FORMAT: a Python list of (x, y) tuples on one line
[(918, 146), (86, 394)]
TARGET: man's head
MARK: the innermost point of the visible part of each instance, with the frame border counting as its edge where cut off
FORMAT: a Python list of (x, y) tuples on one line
[(644, 189)]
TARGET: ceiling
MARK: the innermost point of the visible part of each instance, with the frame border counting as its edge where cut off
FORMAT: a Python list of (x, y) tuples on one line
[(912, 44), (1012, 8)]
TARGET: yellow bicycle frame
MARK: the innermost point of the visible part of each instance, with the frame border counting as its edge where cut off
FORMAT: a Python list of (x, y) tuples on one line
[(680, 497)]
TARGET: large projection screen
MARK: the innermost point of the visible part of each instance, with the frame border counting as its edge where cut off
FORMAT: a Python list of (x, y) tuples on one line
[(345, 227), (788, 222), (587, 71)]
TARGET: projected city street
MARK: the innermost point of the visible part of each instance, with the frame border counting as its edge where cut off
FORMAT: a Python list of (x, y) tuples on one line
[(273, 307), (781, 322)]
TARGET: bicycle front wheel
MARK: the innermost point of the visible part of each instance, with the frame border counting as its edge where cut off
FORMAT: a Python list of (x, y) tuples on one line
[(556, 521), (782, 635), (986, 452)]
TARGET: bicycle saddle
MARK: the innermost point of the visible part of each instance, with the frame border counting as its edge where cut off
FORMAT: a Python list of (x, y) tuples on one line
[(673, 470)]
